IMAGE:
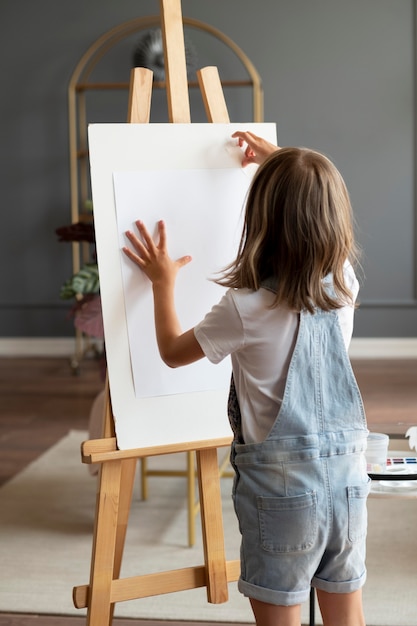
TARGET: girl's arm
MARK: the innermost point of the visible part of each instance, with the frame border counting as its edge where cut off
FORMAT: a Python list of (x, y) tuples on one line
[(176, 348)]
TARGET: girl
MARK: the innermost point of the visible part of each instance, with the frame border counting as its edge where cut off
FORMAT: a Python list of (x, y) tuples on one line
[(299, 427)]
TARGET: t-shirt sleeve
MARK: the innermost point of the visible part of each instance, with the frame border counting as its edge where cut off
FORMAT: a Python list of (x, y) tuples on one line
[(221, 331), (346, 313)]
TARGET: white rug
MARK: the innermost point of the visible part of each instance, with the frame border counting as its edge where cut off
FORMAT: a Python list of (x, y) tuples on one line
[(46, 523)]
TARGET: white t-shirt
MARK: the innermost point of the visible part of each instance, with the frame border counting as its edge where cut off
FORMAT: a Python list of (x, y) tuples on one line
[(260, 341)]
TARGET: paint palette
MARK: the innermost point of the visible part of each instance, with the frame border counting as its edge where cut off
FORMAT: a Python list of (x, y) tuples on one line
[(403, 467), (402, 461)]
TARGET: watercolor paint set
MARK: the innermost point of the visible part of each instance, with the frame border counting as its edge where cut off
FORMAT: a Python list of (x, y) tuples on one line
[(399, 460)]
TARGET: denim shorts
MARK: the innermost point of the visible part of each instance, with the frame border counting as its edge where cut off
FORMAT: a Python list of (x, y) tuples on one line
[(303, 519)]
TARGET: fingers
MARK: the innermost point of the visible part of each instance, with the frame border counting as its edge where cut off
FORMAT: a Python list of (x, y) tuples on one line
[(250, 156), (139, 251), (252, 146), (162, 235), (257, 149), (184, 260), (145, 245), (149, 256), (244, 136), (146, 236)]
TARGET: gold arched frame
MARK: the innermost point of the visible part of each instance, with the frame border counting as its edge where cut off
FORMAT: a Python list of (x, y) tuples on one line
[(79, 84)]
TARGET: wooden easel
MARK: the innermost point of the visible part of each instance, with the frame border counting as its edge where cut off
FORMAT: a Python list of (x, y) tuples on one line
[(118, 467)]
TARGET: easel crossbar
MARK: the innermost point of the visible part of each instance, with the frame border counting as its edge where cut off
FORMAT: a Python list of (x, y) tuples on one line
[(101, 450), (136, 587)]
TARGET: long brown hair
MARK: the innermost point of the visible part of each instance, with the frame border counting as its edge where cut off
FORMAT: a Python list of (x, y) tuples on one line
[(298, 228)]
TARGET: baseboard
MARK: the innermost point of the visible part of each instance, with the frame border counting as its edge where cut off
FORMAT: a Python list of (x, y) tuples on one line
[(383, 348), (37, 346), (360, 348)]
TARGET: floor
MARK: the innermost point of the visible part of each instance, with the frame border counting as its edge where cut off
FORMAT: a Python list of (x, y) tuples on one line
[(42, 399)]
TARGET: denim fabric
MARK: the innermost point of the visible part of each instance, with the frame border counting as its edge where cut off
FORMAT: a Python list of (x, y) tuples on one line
[(300, 495)]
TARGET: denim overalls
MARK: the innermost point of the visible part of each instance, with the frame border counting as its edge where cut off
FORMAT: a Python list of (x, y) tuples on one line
[(300, 495)]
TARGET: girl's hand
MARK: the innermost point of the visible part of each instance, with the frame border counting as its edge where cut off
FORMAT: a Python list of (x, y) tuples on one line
[(153, 259), (257, 149)]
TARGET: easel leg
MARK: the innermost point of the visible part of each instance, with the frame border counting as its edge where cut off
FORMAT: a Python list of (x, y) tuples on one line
[(191, 497), (144, 478), (212, 523), (115, 486), (99, 612), (127, 480)]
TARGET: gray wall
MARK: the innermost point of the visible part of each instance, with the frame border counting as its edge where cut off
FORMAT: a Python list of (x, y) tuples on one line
[(338, 77)]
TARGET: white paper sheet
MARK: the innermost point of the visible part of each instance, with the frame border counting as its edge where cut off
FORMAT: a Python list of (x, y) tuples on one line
[(202, 210)]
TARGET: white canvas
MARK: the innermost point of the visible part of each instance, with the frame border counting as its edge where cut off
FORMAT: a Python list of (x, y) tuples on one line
[(190, 175)]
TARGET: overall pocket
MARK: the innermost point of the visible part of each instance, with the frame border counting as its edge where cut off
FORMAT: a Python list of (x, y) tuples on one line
[(357, 512), (288, 523)]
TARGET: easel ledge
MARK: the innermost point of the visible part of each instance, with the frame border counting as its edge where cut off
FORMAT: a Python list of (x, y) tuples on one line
[(100, 450)]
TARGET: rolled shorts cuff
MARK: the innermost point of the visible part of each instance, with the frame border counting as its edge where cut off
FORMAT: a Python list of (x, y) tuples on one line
[(348, 586), (279, 598)]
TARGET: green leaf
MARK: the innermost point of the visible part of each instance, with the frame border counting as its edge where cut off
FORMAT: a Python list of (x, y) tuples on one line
[(83, 282)]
